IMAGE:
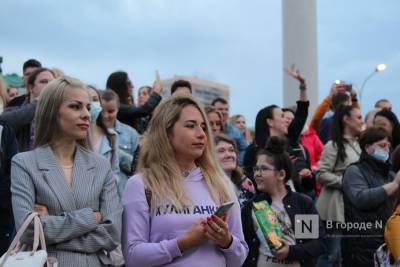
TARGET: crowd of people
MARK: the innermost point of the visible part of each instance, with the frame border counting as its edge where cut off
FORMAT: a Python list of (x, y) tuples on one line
[(120, 182)]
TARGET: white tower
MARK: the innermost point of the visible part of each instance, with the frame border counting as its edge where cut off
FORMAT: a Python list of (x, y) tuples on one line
[(299, 23)]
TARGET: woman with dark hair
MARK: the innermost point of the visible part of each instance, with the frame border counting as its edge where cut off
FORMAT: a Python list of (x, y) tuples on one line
[(369, 192), (270, 121), (271, 172), (128, 113), (303, 177), (227, 156), (388, 120), (144, 93), (338, 154), (38, 80)]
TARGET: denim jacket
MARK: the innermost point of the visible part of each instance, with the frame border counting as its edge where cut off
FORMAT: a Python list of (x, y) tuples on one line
[(110, 153), (241, 143), (128, 142)]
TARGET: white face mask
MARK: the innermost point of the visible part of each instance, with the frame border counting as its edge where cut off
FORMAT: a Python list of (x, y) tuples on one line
[(95, 109), (380, 154)]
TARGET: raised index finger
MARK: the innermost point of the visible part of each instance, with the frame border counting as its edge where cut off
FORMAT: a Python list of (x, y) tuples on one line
[(157, 76)]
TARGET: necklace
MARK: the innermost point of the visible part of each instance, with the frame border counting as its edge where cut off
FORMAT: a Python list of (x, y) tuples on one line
[(187, 172), (67, 167)]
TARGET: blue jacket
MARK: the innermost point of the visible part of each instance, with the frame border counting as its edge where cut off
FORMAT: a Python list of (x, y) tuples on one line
[(128, 142), (325, 129), (110, 152), (241, 143)]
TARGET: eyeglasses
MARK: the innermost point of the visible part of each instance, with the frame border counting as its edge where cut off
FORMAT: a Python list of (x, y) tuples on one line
[(262, 169)]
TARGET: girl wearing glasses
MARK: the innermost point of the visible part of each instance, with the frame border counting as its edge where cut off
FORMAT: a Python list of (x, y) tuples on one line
[(272, 170)]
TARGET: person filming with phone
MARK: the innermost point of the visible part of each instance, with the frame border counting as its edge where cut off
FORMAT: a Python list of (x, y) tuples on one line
[(169, 205)]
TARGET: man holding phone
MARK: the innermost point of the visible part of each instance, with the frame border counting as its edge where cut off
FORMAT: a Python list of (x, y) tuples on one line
[(344, 86), (341, 93)]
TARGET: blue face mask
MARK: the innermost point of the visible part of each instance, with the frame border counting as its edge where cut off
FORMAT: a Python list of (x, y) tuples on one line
[(380, 154), (95, 109)]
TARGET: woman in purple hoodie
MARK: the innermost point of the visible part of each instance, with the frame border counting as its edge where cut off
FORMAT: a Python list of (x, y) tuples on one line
[(169, 206)]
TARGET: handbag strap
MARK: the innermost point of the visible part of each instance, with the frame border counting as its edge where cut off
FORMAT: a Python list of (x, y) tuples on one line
[(38, 234), (22, 230)]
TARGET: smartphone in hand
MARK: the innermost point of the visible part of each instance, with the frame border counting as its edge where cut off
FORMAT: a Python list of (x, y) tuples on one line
[(224, 208)]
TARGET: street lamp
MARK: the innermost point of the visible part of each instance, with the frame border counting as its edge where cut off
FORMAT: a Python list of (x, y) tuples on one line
[(378, 68)]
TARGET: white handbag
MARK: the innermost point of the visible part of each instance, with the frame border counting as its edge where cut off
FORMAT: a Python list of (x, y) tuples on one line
[(14, 257), (114, 258)]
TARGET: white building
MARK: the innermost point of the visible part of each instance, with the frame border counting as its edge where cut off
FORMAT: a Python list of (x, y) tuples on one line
[(205, 91)]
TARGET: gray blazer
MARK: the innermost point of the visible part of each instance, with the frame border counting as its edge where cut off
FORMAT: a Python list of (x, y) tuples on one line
[(71, 232)]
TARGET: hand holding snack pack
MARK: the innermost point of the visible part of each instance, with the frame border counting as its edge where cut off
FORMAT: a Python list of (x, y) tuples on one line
[(269, 224)]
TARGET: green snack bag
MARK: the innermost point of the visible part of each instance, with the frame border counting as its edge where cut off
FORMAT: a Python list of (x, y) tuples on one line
[(269, 224)]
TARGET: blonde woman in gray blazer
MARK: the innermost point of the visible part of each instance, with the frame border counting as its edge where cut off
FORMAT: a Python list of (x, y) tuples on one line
[(337, 155), (72, 188)]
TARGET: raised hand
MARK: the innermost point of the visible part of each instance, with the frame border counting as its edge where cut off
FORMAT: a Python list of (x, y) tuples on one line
[(305, 173), (157, 85), (295, 73), (41, 209), (283, 252), (99, 218)]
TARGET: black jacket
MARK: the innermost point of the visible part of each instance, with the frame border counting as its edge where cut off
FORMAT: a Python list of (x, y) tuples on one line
[(8, 149), (294, 131), (129, 114), (305, 185), (20, 118), (306, 250), (365, 201), (19, 100)]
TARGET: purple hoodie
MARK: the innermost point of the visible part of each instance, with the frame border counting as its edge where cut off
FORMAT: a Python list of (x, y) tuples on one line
[(154, 243)]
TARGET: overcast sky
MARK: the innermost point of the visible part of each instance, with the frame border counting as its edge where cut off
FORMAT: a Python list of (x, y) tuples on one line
[(238, 43)]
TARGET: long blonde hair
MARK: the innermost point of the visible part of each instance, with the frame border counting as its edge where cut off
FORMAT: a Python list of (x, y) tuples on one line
[(3, 94), (47, 127), (158, 165)]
